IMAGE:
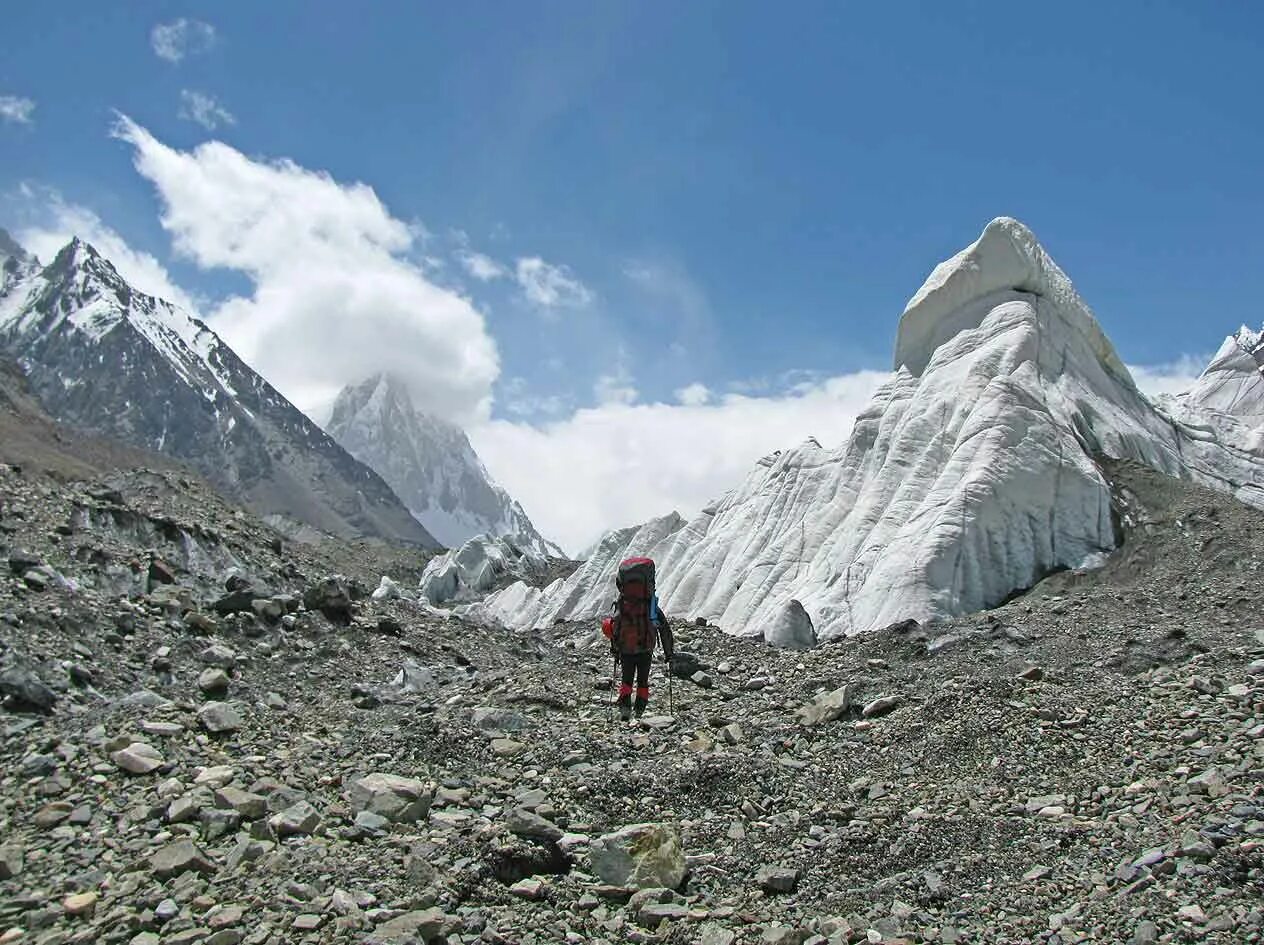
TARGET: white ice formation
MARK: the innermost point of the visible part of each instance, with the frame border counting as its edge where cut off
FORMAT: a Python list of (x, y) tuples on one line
[(972, 474)]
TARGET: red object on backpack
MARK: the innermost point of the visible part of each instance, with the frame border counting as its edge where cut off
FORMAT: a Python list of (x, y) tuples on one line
[(607, 627), (634, 630)]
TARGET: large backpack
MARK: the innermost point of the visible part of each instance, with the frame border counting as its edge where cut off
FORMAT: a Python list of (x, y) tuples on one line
[(634, 630)]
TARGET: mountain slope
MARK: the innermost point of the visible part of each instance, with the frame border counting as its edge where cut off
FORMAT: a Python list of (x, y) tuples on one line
[(971, 475), (106, 358), (430, 464)]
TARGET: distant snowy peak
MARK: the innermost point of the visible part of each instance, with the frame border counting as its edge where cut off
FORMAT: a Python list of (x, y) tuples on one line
[(105, 357), (430, 464), (15, 262)]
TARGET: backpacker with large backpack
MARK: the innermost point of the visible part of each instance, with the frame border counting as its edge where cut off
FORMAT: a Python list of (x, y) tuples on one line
[(632, 628)]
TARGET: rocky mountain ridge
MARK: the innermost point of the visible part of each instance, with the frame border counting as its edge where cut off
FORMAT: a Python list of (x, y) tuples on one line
[(430, 464), (106, 358)]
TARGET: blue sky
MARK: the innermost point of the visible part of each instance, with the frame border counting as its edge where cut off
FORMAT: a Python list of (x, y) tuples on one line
[(719, 195)]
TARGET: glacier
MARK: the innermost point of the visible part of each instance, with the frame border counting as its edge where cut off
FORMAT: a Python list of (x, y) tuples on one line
[(971, 475)]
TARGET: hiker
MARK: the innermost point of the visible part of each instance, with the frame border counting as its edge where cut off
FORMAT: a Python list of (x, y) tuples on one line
[(634, 627)]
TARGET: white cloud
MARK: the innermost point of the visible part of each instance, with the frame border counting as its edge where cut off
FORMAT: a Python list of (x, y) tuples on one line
[(621, 464), (204, 109), (56, 221), (480, 266), (16, 109), (1175, 377), (519, 401), (335, 295), (616, 386), (549, 286), (695, 395), (179, 38)]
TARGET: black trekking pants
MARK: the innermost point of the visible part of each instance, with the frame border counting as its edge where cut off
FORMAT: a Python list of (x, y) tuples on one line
[(635, 665)]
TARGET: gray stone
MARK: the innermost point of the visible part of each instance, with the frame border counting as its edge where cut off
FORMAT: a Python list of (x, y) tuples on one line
[(424, 925), (497, 719), (297, 820), (880, 706), (639, 856), (179, 857), (213, 681), (219, 655), (398, 799), (529, 888), (219, 717), (777, 879), (12, 861), (826, 707), (370, 823), (716, 935), (250, 806), (524, 823), (138, 758)]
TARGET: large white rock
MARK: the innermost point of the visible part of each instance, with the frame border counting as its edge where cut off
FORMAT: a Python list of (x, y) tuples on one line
[(971, 474)]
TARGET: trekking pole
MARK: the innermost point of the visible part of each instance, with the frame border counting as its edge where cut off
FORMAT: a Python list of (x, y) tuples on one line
[(614, 688), (671, 694)]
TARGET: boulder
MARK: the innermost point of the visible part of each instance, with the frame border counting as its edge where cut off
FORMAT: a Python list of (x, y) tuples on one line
[(423, 925), (331, 597), (296, 820), (219, 717), (179, 857), (247, 805), (791, 629), (777, 879), (524, 823), (412, 679), (639, 856), (489, 718), (24, 691), (138, 758), (213, 681), (826, 707), (398, 799), (12, 861), (240, 598)]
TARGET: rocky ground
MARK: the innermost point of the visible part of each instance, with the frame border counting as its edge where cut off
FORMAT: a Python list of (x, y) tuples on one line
[(216, 736)]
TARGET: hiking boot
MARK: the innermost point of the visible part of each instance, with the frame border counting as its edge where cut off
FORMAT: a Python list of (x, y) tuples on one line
[(625, 712), (640, 708)]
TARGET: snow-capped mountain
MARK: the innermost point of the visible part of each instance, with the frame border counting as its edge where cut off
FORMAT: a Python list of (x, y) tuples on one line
[(971, 475), (430, 463), (104, 357)]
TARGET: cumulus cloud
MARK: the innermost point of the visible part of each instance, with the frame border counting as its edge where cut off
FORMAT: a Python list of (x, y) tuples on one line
[(1175, 377), (204, 110), (550, 287), (695, 395), (180, 38), (480, 266), (54, 222), (620, 464), (16, 109), (335, 295)]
